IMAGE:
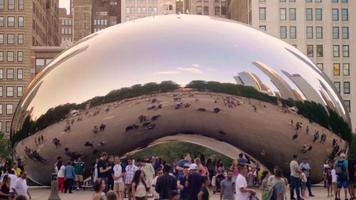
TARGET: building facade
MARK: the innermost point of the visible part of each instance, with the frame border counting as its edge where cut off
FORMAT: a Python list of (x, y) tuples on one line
[(23, 24), (65, 28), (82, 15), (322, 29), (105, 13)]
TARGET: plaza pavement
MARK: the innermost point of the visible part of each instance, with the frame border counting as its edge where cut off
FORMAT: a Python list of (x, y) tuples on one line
[(43, 194)]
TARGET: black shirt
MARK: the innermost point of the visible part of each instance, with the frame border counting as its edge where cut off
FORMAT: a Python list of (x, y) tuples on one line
[(103, 164), (165, 184), (194, 185), (205, 192), (183, 192)]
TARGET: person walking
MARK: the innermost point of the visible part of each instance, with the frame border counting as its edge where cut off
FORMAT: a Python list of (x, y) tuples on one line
[(79, 170), (295, 183), (166, 183), (305, 165), (342, 172), (204, 192), (60, 176), (227, 188), (69, 176), (242, 192), (139, 186), (118, 175)]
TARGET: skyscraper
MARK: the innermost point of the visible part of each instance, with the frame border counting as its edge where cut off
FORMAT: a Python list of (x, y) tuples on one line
[(23, 24)]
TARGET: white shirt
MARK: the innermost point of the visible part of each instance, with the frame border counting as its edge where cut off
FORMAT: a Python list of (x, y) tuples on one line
[(333, 176), (241, 183), (61, 170), (21, 187), (117, 172), (13, 179)]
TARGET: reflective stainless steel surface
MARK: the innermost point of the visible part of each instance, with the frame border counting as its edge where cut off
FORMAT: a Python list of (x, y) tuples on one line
[(96, 82)]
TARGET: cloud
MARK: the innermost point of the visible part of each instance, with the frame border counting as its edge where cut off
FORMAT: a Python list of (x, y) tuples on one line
[(193, 69), (167, 72)]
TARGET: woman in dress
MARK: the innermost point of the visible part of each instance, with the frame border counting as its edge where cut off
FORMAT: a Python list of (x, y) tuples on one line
[(139, 186)]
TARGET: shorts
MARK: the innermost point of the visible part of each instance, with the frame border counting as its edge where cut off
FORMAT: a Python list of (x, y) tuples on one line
[(342, 183), (79, 178), (119, 187)]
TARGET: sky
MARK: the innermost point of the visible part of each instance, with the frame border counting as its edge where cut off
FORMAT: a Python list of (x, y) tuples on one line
[(64, 4)]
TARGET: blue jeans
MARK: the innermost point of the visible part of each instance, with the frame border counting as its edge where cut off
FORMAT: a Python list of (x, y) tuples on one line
[(295, 184)]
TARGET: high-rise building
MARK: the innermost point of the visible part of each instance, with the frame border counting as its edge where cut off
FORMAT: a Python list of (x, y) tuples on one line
[(23, 24), (82, 18), (105, 13), (323, 30), (42, 55), (65, 28)]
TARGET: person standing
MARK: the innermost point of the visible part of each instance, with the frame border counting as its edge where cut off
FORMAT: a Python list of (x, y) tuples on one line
[(130, 170), (194, 182), (69, 176), (305, 165), (264, 185), (60, 176), (278, 185), (99, 188), (204, 192), (79, 170), (139, 186), (21, 187), (166, 183), (5, 188), (104, 169), (148, 170), (227, 190), (183, 182), (186, 161), (118, 178), (242, 192), (295, 183), (342, 172)]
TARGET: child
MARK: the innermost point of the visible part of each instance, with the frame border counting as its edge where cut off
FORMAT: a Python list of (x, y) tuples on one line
[(303, 179), (333, 180)]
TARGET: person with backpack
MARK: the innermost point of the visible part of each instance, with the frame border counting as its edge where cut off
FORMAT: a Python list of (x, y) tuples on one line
[(342, 172)]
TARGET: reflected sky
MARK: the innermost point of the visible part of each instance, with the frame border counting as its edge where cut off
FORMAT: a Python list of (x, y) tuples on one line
[(180, 49)]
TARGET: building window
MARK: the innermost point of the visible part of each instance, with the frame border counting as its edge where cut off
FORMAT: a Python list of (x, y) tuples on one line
[(283, 14), (335, 14), (345, 50), (283, 32), (19, 74), (345, 14), (346, 87), (319, 32), (319, 51), (309, 14), (308, 1), (263, 28), (20, 37), (262, 13), (10, 56), (345, 32), (2, 22), (336, 69), (21, 4), (1, 38), (10, 38), (7, 128), (335, 32), (10, 21), (346, 69), (335, 1), (292, 32), (336, 51), (321, 66), (318, 14), (292, 14), (19, 56), (344, 1), (11, 4), (1, 56), (10, 74), (337, 86), (310, 50), (19, 91), (20, 22), (9, 91), (0, 91), (309, 33), (1, 73), (2, 4), (9, 109), (347, 104)]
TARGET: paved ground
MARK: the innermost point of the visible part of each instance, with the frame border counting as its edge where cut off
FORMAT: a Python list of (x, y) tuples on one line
[(43, 194)]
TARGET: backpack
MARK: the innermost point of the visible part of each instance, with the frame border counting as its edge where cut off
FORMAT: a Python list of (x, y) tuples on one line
[(340, 167)]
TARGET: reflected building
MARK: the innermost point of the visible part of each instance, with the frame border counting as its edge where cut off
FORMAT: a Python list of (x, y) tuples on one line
[(251, 79)]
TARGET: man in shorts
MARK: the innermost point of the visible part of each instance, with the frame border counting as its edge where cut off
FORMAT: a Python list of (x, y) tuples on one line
[(342, 172), (118, 175), (79, 169), (130, 170)]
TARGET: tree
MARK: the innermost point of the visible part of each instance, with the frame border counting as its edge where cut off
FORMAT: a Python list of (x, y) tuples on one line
[(5, 151)]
